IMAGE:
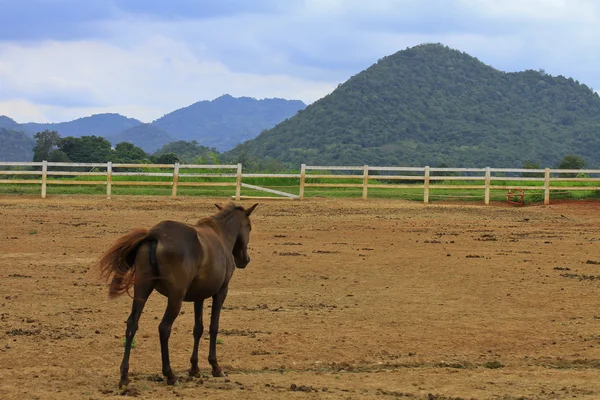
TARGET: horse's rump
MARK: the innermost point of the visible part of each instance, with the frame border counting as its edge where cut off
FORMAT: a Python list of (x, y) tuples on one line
[(118, 262)]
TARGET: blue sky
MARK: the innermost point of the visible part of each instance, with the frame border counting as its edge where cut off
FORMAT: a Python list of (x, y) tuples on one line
[(64, 59)]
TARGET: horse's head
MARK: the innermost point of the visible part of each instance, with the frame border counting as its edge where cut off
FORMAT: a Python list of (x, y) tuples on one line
[(240, 248)]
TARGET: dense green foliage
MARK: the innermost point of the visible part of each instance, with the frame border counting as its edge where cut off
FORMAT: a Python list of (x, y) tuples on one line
[(571, 161), (532, 165), (146, 136), (86, 149), (165, 158), (128, 153), (190, 152), (46, 143), (429, 105), (92, 149), (226, 121), (15, 145)]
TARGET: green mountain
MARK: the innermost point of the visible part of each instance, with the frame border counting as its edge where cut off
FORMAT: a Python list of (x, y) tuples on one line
[(431, 105), (15, 145), (146, 136), (226, 121), (96, 125)]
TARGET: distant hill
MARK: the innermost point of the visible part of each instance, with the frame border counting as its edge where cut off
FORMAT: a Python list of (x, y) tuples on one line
[(98, 125), (226, 121), (429, 105), (148, 137), (15, 145), (8, 123), (221, 123)]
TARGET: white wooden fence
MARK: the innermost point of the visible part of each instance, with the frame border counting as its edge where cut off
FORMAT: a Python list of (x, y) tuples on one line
[(424, 174), (370, 177)]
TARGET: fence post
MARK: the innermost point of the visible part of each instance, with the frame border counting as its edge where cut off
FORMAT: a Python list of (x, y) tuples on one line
[(547, 186), (108, 179), (365, 181), (302, 180), (426, 184), (175, 180), (488, 175), (238, 182), (44, 177)]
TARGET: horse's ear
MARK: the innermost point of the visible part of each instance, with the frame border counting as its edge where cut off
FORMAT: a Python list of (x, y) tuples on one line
[(249, 211), (218, 206)]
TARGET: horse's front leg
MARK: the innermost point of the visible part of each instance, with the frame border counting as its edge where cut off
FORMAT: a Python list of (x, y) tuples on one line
[(217, 302)]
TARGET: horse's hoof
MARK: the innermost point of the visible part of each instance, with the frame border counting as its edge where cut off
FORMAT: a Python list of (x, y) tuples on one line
[(195, 372), (219, 374), (123, 382), (171, 380)]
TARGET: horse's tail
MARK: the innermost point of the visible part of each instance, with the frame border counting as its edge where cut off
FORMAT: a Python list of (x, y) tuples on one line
[(118, 262)]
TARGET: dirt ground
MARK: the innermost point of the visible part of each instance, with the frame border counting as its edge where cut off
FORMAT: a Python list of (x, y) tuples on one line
[(343, 299)]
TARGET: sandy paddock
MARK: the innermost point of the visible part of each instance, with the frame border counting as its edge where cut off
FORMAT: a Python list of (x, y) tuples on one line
[(348, 298)]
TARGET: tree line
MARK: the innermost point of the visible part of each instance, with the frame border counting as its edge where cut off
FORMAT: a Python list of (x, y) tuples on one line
[(50, 146)]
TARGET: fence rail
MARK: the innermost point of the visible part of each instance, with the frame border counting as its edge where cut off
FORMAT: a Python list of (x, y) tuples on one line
[(425, 179)]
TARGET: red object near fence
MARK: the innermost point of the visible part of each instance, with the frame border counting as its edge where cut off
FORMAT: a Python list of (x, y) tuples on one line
[(516, 197)]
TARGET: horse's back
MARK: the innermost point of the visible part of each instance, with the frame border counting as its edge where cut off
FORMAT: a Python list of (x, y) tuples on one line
[(191, 260), (176, 240)]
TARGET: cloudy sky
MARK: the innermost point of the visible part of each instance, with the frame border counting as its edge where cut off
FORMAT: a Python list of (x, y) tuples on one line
[(64, 59)]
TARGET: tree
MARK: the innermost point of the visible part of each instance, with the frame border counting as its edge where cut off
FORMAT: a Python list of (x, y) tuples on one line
[(45, 143), (571, 161), (167, 158), (129, 153), (86, 149), (444, 173), (531, 165), (190, 152), (58, 156)]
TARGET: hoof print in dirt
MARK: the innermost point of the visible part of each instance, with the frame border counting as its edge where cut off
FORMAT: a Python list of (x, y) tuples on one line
[(302, 388), (129, 391), (155, 378)]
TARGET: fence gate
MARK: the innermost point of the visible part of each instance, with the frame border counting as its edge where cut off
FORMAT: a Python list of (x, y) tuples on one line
[(282, 195)]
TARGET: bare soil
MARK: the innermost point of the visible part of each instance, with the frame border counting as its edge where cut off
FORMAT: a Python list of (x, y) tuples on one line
[(343, 299)]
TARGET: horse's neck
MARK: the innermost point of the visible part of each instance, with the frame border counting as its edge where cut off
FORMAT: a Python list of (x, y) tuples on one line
[(229, 227)]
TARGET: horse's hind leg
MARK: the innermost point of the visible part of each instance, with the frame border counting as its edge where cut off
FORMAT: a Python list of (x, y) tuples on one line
[(141, 292), (215, 313), (164, 330), (198, 329)]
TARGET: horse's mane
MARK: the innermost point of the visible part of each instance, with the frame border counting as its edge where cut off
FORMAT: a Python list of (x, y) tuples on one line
[(212, 221)]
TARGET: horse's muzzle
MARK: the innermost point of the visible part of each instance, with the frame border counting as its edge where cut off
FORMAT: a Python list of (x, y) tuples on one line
[(244, 264)]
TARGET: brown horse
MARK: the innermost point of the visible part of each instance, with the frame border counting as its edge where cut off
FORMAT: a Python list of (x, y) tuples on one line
[(184, 263)]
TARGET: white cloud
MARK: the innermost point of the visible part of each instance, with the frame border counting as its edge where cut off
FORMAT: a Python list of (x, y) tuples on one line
[(143, 67), (22, 111), (537, 10), (144, 81)]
